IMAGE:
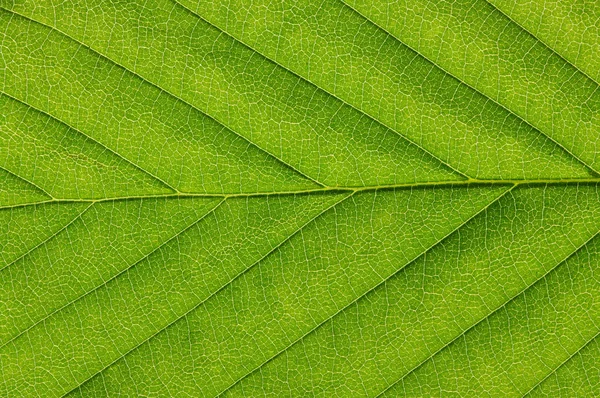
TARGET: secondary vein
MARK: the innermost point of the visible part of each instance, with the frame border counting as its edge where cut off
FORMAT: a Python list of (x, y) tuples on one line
[(541, 42), (306, 80), (167, 92), (520, 293), (587, 343), (37, 187), (71, 128), (558, 144), (364, 294), (239, 275), (111, 278), (49, 238)]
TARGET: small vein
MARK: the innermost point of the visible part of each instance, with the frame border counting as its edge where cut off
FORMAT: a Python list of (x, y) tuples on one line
[(279, 160), (89, 138), (27, 181), (558, 144), (113, 277), (513, 298), (306, 80), (562, 363), (48, 239), (239, 275), (378, 285), (542, 42)]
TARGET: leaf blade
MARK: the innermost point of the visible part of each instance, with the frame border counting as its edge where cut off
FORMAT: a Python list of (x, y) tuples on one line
[(314, 198)]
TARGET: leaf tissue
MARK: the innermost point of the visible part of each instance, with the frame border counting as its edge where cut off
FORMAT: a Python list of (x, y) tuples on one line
[(308, 198)]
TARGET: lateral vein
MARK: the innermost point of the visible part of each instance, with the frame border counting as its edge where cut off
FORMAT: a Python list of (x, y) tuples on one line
[(558, 144), (89, 138), (464, 332), (27, 181), (240, 274), (460, 173), (278, 159), (542, 42), (48, 239), (562, 363), (113, 277), (378, 285)]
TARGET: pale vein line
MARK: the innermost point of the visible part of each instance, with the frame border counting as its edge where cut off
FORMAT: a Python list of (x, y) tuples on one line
[(513, 298), (425, 151), (49, 238), (240, 274), (20, 101), (522, 27), (261, 149), (407, 139), (41, 202), (378, 285), (562, 363), (558, 144), (112, 277), (324, 190), (26, 180)]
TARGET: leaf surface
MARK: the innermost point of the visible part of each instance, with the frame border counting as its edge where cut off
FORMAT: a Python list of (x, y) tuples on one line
[(313, 198)]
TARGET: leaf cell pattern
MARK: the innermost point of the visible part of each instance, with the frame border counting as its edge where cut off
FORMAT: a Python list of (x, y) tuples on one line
[(299, 198)]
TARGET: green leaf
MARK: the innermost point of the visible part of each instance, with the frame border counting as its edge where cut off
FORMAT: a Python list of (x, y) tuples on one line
[(299, 198)]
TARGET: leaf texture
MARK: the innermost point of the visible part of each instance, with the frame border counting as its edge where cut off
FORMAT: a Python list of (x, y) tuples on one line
[(299, 198)]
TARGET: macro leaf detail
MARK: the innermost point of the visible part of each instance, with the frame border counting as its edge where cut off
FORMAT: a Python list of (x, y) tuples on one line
[(299, 198)]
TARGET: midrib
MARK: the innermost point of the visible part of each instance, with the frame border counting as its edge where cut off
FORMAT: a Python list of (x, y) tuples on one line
[(431, 184)]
